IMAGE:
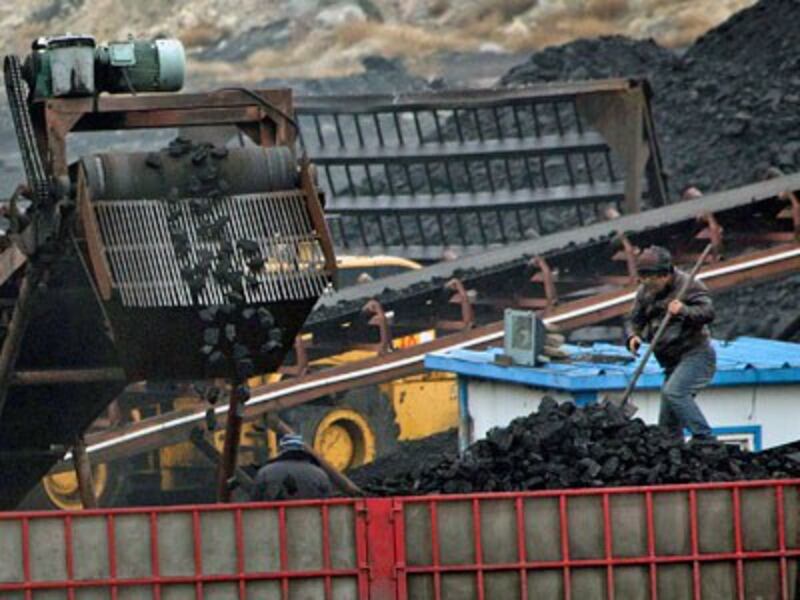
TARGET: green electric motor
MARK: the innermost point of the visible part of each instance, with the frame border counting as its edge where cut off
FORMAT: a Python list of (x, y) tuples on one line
[(74, 65)]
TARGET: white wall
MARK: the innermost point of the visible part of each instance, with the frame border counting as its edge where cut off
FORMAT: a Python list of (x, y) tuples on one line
[(773, 407), (495, 403)]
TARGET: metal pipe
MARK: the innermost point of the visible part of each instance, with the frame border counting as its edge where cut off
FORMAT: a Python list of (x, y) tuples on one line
[(210, 451), (233, 430), (16, 330), (83, 471), (61, 376), (464, 419)]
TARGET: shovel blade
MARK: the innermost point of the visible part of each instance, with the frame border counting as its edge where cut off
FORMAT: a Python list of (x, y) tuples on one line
[(627, 407)]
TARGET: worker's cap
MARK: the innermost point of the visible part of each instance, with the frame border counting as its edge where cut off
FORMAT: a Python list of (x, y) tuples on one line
[(654, 260), (291, 441)]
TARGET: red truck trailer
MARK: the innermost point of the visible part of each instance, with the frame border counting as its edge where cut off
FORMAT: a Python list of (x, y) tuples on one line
[(710, 541)]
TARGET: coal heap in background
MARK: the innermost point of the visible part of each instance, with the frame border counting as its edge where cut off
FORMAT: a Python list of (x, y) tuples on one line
[(725, 110), (424, 453), (562, 446)]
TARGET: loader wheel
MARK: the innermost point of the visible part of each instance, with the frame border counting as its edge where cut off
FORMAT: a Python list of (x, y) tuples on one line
[(345, 439), (59, 491), (349, 429)]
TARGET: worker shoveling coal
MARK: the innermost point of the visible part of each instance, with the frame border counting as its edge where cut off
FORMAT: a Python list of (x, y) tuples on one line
[(672, 311)]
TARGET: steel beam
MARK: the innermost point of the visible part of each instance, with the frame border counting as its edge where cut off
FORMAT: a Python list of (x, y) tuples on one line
[(233, 430), (452, 99), (62, 376), (16, 330), (546, 145), (507, 258), (83, 471), (585, 194)]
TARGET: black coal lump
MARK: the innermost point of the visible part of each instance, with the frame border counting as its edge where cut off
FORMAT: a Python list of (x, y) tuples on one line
[(265, 318), (248, 246), (211, 336)]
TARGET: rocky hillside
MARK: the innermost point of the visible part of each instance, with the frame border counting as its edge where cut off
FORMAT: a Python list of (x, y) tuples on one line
[(310, 38)]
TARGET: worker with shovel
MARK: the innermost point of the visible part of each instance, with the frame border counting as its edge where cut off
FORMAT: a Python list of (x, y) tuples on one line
[(683, 349)]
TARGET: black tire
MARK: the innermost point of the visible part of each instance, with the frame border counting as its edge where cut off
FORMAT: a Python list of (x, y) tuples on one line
[(368, 402), (114, 494)]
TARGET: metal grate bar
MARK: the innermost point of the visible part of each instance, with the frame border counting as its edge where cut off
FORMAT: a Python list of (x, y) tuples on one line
[(540, 137), (147, 271)]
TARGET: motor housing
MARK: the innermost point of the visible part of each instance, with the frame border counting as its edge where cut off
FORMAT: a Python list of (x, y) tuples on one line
[(75, 66)]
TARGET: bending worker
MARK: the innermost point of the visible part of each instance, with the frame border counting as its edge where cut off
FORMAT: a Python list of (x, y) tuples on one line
[(684, 350), (293, 475)]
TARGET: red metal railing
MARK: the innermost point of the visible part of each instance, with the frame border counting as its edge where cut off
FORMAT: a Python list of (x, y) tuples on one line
[(438, 547), (156, 581), (739, 555)]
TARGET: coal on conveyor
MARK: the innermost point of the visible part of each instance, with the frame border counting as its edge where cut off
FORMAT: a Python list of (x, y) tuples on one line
[(563, 446), (221, 257)]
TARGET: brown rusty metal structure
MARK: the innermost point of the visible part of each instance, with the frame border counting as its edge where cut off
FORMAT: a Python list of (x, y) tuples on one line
[(56, 118), (175, 427), (577, 281), (85, 337), (754, 208), (83, 472)]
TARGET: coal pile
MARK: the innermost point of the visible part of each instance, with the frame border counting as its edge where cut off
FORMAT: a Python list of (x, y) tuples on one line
[(563, 446), (725, 110), (425, 453), (766, 310)]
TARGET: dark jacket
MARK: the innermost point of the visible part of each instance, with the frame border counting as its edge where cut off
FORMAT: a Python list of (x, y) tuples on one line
[(293, 475), (685, 332)]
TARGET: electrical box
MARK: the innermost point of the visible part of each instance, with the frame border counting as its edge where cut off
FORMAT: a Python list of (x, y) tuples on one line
[(524, 336)]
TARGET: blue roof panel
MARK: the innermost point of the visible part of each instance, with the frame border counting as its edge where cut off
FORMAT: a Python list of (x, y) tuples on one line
[(744, 361)]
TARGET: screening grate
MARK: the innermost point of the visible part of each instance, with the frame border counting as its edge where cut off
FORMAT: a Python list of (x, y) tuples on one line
[(147, 271)]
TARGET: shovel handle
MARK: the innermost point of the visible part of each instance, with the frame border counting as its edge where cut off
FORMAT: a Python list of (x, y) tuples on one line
[(664, 322)]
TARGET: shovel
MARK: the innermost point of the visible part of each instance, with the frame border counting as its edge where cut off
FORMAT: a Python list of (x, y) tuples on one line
[(629, 408)]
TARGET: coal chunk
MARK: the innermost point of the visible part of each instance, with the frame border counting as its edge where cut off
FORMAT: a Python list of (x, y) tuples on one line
[(216, 360), (153, 160), (265, 318), (270, 346), (211, 419), (245, 368), (248, 246), (240, 352), (211, 336), (256, 263), (208, 314)]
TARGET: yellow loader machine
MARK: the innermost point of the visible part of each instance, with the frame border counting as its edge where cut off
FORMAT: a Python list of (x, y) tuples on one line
[(191, 262)]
